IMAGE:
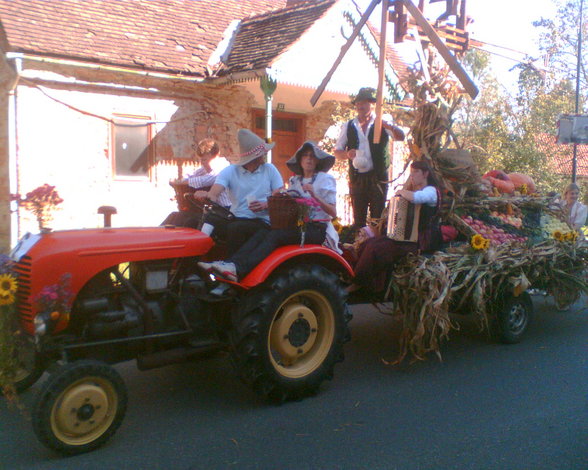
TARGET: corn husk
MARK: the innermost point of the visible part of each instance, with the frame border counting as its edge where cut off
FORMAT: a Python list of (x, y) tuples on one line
[(427, 289)]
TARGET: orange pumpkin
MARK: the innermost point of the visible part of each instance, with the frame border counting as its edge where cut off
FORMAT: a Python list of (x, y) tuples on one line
[(520, 179)]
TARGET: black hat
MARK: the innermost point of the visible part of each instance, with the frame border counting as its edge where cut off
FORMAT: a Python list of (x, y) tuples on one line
[(365, 94), (325, 160)]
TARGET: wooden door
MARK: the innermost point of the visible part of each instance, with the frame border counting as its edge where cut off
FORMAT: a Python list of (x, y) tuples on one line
[(288, 134)]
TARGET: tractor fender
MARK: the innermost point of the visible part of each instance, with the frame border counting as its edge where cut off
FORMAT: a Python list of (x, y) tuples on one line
[(294, 254)]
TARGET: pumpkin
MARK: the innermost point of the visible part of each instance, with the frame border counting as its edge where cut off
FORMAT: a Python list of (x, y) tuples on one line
[(520, 179)]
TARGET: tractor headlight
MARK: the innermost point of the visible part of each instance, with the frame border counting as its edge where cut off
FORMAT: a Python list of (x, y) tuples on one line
[(40, 323)]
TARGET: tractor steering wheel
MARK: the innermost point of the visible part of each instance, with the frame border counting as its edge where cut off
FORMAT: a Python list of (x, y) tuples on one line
[(209, 207)]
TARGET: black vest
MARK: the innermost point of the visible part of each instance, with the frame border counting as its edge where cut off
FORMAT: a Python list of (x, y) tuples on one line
[(380, 153)]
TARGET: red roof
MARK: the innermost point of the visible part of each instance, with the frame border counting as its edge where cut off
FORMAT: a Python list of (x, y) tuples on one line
[(562, 155), (165, 35)]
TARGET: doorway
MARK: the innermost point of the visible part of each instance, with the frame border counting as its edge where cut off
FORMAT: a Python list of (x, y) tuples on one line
[(288, 132)]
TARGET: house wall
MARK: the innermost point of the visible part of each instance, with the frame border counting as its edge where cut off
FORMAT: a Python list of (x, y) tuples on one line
[(71, 148), (305, 64), (7, 76)]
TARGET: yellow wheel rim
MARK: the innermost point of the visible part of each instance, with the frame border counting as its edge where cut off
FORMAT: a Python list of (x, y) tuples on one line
[(301, 334), (84, 411)]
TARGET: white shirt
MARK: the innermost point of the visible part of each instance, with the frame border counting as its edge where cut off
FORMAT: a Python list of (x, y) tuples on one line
[(201, 178), (578, 214), (363, 142), (427, 195), (325, 187)]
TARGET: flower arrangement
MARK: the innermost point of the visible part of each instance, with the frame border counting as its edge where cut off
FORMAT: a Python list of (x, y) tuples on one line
[(305, 208), (8, 328), (560, 236), (41, 201), (479, 243), (55, 300)]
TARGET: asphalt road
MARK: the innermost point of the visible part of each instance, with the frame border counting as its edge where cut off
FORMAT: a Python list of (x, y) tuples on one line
[(486, 406)]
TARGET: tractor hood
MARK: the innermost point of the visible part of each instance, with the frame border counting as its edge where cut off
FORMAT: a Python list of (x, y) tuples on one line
[(42, 259)]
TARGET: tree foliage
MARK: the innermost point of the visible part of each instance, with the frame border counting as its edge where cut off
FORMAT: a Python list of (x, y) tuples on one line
[(510, 132)]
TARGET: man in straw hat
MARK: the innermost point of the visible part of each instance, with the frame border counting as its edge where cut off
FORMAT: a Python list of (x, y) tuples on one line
[(368, 162), (311, 183), (249, 181)]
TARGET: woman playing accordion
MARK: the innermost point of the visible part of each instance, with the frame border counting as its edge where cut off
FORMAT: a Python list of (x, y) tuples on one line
[(379, 253)]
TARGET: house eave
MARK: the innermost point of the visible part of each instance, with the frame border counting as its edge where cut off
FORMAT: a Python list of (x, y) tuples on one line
[(237, 77), (32, 57)]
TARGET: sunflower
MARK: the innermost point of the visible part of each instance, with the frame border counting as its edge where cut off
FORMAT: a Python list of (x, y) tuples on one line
[(524, 189), (478, 242), (8, 284), (7, 299), (558, 235), (486, 244)]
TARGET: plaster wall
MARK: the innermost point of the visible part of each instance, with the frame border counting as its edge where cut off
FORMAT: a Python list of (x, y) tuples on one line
[(71, 148), (7, 77)]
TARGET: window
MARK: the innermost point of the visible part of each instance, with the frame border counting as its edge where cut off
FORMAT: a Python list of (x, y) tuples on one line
[(130, 154)]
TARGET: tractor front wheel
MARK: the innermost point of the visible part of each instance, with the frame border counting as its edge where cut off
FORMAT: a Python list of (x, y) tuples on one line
[(80, 407)]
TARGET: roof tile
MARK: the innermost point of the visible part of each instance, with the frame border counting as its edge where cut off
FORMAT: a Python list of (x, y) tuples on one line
[(118, 31)]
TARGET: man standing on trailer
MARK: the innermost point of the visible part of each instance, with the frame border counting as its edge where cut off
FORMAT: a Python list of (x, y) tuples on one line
[(368, 162)]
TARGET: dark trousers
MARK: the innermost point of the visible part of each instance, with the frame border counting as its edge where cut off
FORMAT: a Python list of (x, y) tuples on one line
[(374, 259), (367, 192), (235, 232), (258, 247)]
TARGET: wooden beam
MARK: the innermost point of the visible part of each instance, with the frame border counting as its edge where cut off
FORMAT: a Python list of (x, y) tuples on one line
[(454, 65), (381, 73), (319, 91)]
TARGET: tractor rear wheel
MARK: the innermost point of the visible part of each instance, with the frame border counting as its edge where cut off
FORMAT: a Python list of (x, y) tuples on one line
[(288, 335)]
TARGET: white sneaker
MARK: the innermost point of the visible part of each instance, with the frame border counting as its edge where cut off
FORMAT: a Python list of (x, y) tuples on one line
[(220, 290), (206, 266), (225, 270)]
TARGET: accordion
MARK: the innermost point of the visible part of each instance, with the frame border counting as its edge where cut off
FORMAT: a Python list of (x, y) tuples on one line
[(403, 220)]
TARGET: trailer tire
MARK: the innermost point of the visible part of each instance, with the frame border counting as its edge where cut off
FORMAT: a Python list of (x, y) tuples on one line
[(513, 318), (79, 407), (288, 335)]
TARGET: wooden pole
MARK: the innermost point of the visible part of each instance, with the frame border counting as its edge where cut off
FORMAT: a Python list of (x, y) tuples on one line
[(454, 65), (319, 91), (381, 73)]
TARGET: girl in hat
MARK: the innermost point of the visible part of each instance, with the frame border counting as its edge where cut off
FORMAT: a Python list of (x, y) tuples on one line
[(575, 210), (310, 165)]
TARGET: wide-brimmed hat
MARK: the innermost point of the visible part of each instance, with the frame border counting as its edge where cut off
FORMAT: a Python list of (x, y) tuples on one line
[(365, 94), (251, 146), (325, 160)]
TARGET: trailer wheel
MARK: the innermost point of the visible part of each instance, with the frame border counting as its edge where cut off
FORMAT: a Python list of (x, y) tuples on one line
[(513, 318), (288, 336), (80, 407)]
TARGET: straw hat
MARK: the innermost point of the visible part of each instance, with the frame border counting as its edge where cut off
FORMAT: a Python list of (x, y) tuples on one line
[(325, 161), (251, 146)]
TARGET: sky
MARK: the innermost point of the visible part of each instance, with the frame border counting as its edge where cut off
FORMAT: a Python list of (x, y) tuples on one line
[(505, 23)]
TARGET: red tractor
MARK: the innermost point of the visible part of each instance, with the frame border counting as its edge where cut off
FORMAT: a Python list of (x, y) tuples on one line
[(138, 293)]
